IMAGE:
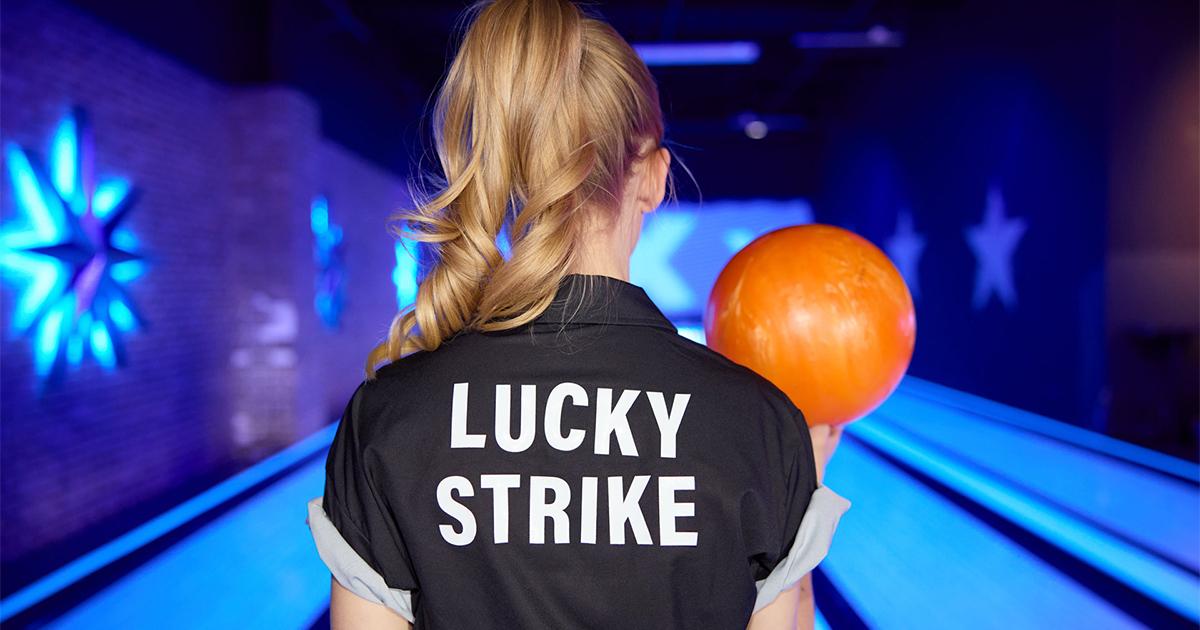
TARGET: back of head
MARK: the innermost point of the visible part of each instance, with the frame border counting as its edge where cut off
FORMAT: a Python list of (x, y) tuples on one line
[(539, 120)]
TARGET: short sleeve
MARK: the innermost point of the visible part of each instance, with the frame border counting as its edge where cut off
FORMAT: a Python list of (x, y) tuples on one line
[(810, 514), (355, 536)]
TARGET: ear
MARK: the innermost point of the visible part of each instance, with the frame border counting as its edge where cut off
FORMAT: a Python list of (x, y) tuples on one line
[(654, 180)]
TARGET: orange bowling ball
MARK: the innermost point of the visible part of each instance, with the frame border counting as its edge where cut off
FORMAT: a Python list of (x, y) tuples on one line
[(819, 311)]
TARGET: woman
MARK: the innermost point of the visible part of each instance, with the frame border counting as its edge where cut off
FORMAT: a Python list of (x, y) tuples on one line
[(541, 449)]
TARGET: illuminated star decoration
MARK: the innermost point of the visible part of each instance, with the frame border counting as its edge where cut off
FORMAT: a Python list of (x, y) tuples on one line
[(68, 255), (330, 295), (994, 242), (905, 248), (404, 274), (650, 265), (793, 212)]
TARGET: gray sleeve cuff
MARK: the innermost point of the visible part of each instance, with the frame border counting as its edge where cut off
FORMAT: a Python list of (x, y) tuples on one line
[(811, 545), (349, 569)]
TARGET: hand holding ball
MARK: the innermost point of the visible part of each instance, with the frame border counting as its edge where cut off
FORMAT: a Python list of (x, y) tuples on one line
[(820, 312)]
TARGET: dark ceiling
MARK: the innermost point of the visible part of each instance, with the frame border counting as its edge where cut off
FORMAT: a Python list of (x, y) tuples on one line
[(372, 64)]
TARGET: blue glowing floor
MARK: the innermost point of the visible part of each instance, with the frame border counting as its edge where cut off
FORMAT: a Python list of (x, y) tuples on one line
[(967, 514)]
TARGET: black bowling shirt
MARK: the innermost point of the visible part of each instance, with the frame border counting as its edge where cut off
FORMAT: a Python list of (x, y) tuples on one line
[(593, 469)]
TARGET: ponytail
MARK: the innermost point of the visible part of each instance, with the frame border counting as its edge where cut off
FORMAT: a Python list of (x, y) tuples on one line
[(539, 120)]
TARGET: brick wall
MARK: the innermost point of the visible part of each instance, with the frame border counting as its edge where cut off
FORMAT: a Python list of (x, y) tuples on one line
[(360, 199), (233, 364)]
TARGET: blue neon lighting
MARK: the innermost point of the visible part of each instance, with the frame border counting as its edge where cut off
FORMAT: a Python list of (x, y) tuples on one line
[(108, 195), (970, 576), (819, 622), (319, 216), (39, 223), (64, 157), (504, 244), (121, 316), (127, 270), (1076, 478), (1052, 428), (698, 53), (101, 345), (37, 280), (737, 238), (895, 530), (258, 548), (1162, 581), (49, 337), (404, 275), (67, 254), (651, 266), (160, 525), (329, 296), (125, 239), (684, 246), (691, 331)]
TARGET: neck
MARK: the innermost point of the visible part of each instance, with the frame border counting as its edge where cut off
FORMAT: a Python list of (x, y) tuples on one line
[(608, 240), (601, 266), (601, 255)]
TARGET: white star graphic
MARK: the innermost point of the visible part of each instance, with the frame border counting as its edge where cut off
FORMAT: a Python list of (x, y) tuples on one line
[(905, 248), (994, 242)]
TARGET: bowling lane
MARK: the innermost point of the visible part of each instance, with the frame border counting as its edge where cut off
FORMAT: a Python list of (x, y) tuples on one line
[(1125, 498), (254, 567), (1166, 583), (1029, 421), (905, 557)]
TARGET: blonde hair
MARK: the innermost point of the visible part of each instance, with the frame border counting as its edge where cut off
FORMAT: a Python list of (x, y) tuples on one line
[(540, 119)]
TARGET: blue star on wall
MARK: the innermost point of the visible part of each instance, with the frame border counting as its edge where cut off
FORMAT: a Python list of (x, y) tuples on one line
[(330, 295), (404, 274), (905, 248), (993, 243), (68, 255)]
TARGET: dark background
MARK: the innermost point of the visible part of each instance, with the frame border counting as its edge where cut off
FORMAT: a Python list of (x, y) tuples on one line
[(1050, 101), (1083, 113)]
